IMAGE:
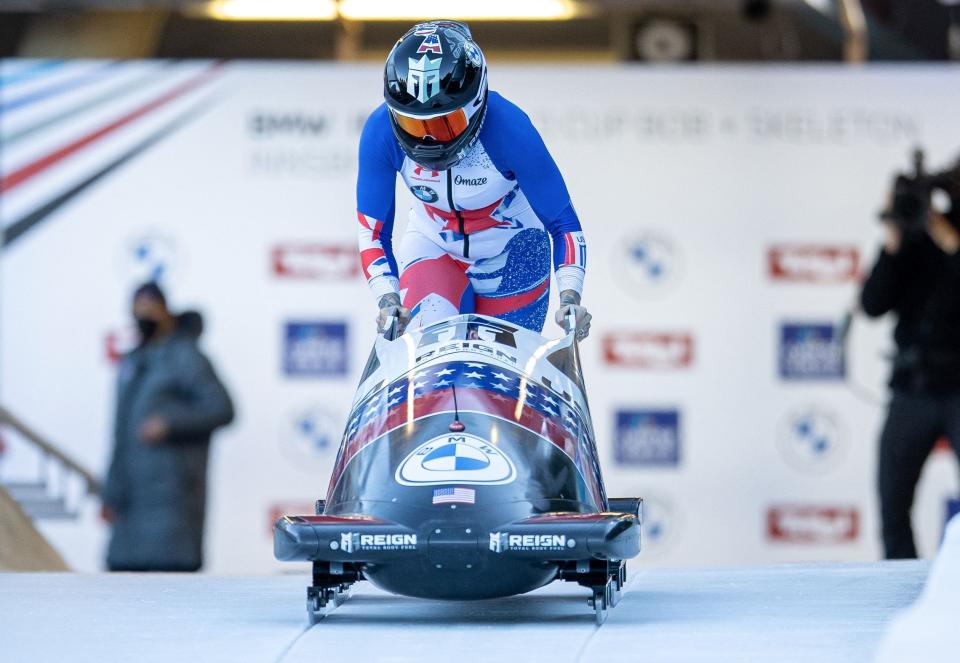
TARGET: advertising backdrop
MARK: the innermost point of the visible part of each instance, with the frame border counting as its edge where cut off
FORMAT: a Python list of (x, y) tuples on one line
[(729, 214)]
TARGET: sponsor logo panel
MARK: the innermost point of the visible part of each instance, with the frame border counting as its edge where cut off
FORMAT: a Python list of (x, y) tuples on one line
[(649, 350), (150, 257), (315, 349), (315, 261), (309, 437), (812, 525), (647, 264), (118, 342), (951, 508), (810, 351), (661, 525), (295, 123), (809, 263), (647, 438), (811, 440)]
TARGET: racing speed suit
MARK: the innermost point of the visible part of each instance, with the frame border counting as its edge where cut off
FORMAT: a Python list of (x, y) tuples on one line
[(476, 238)]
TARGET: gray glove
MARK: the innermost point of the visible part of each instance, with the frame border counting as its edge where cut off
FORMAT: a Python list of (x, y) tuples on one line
[(570, 303), (390, 307)]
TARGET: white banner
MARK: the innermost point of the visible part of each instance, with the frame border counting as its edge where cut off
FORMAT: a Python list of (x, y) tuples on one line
[(728, 213)]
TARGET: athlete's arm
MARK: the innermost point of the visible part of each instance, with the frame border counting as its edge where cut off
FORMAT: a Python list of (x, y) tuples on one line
[(518, 151), (379, 161)]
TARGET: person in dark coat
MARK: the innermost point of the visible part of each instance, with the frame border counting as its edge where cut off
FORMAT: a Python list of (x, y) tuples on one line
[(169, 402)]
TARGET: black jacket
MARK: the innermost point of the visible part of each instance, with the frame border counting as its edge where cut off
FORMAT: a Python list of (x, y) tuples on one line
[(921, 284), (158, 491)]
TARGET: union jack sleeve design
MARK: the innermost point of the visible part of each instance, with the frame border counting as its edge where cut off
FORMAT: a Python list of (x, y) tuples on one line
[(572, 262), (373, 258)]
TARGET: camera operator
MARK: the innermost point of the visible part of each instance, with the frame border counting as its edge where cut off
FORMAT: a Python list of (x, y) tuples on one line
[(917, 276)]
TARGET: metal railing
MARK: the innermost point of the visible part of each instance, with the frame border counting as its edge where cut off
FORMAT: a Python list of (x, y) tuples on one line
[(43, 499)]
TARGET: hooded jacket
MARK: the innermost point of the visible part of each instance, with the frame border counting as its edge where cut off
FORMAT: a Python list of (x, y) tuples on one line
[(158, 491)]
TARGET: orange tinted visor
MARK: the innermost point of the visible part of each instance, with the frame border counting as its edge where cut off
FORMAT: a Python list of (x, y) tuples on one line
[(441, 129)]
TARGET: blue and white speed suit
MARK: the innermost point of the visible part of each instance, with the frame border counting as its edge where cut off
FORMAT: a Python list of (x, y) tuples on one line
[(477, 239)]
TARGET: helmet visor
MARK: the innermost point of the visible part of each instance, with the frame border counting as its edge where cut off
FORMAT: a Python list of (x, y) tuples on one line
[(439, 129)]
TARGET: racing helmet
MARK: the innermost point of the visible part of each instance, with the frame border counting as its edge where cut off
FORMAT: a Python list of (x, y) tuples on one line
[(435, 86)]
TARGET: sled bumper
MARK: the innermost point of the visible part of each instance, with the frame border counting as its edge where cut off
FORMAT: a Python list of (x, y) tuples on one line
[(547, 537)]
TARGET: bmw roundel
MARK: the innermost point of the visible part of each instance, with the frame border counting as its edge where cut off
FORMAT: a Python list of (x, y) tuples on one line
[(458, 458), (425, 193)]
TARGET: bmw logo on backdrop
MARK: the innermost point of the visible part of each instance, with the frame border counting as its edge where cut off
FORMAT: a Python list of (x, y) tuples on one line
[(311, 436), (647, 264), (661, 525), (811, 440), (149, 257)]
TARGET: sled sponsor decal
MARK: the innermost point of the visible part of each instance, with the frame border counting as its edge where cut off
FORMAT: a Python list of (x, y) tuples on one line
[(810, 351), (351, 542), (804, 263), (501, 541), (648, 350), (647, 437), (314, 261), (813, 524), (458, 458)]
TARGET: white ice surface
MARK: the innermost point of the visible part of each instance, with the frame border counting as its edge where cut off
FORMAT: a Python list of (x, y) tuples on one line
[(820, 613)]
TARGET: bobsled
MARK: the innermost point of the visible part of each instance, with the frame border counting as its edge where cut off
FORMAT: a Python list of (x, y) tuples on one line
[(468, 470)]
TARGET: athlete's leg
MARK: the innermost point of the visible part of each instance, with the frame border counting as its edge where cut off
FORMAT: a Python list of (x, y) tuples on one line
[(432, 284), (515, 285)]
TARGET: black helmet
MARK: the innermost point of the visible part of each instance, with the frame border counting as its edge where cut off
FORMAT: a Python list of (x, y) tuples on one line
[(435, 84)]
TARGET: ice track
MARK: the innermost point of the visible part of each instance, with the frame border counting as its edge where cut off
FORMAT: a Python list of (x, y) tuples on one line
[(820, 613)]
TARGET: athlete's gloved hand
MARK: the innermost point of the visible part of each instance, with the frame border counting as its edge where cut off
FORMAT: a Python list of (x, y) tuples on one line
[(390, 307), (570, 303)]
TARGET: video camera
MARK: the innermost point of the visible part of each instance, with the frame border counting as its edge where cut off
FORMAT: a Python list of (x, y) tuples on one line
[(913, 195)]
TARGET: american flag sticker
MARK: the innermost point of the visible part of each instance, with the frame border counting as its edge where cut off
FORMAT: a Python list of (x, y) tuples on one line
[(454, 495)]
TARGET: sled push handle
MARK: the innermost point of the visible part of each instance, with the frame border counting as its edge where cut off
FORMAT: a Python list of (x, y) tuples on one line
[(390, 329)]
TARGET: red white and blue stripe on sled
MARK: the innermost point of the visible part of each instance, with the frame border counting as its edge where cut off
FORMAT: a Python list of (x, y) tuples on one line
[(484, 388)]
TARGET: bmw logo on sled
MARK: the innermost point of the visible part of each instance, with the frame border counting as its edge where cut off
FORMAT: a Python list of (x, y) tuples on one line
[(468, 470)]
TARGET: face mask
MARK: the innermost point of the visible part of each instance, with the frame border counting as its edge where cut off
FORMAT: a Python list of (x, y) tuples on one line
[(147, 327)]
